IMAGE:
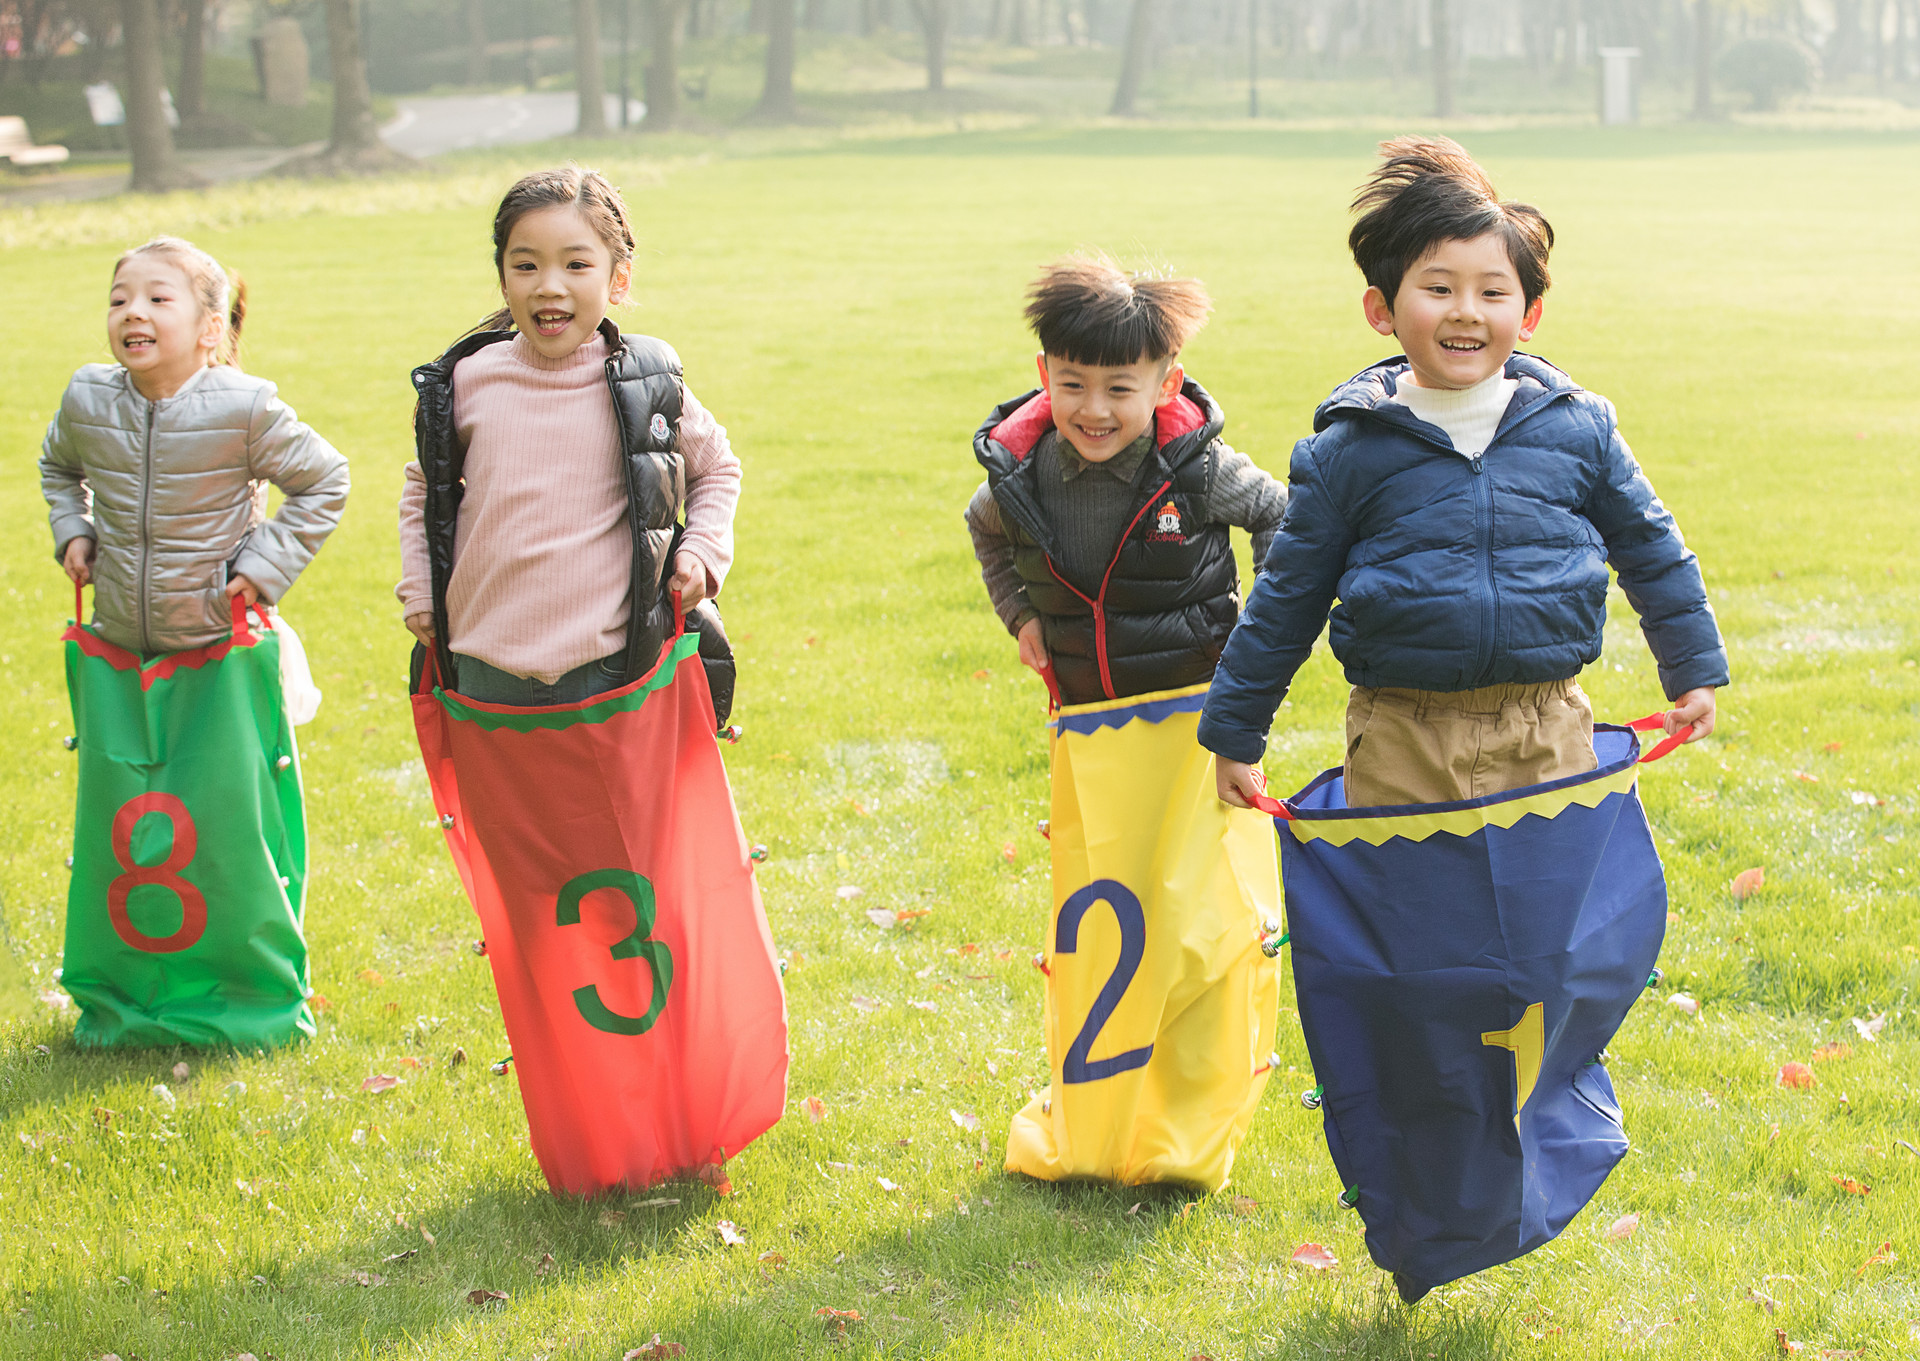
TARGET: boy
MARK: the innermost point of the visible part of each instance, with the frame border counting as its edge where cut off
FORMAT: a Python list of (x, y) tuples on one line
[(1102, 531), (1462, 503), (1102, 526)]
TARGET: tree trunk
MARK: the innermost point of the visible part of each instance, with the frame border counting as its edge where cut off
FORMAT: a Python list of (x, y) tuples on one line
[(1017, 35), (192, 100), (868, 19), (589, 71), (933, 16), (663, 66), (354, 130), (776, 95), (156, 165), (476, 42), (1441, 22), (815, 17), (1703, 59), (1133, 64)]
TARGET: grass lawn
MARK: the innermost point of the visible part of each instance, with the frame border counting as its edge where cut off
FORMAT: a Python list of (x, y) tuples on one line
[(850, 313)]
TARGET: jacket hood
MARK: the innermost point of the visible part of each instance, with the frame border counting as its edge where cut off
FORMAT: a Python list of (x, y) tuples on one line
[(1373, 387), (1182, 428)]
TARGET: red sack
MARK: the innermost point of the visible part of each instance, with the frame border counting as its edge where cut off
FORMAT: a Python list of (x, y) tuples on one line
[(599, 844)]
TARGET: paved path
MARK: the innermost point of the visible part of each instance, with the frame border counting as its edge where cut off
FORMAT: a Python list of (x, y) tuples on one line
[(430, 125), (426, 126)]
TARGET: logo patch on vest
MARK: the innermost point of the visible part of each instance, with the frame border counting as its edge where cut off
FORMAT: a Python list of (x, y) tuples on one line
[(657, 427), (1166, 523)]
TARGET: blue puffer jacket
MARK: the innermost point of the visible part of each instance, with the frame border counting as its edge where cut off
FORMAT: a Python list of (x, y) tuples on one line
[(1453, 573)]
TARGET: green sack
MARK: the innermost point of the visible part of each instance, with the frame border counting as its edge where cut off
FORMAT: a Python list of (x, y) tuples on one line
[(189, 846)]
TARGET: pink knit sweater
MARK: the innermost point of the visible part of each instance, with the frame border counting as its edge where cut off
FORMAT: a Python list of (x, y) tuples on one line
[(543, 556)]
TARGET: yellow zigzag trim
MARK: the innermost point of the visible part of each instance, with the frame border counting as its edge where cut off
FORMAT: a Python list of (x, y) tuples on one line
[(1461, 821), (1131, 701)]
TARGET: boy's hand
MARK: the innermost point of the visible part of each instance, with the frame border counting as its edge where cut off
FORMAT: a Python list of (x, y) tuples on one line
[(1695, 708), (1237, 782), (243, 588), (78, 559), (689, 578), (1033, 648), (421, 627)]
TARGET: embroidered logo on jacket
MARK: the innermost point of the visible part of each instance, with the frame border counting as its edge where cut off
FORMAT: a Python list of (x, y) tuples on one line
[(657, 427), (1167, 525)]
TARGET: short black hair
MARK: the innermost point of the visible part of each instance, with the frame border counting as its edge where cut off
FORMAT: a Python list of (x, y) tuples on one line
[(1087, 310), (1428, 190)]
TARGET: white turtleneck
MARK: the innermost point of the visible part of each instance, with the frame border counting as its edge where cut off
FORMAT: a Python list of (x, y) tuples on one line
[(1468, 415)]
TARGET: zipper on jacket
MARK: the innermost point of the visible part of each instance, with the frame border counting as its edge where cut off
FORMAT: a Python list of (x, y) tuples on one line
[(1483, 504), (1099, 602), (146, 537)]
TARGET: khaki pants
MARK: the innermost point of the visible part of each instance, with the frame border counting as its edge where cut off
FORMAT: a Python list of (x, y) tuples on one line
[(1426, 746)]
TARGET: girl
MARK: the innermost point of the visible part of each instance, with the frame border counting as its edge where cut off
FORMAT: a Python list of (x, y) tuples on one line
[(156, 467), (189, 865), (536, 529)]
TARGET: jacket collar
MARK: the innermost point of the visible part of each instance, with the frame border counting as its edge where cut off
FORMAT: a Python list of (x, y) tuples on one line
[(1183, 427), (1370, 392)]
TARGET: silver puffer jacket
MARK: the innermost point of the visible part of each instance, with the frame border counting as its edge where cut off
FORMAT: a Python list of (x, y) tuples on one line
[(174, 493)]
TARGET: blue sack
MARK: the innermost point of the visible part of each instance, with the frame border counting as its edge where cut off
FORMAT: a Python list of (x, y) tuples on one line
[(1459, 968)]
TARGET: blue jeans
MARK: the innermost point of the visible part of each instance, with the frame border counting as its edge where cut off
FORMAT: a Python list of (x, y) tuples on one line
[(491, 685)]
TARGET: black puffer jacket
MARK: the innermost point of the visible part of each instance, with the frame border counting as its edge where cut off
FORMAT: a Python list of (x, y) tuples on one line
[(643, 379), (1158, 617)]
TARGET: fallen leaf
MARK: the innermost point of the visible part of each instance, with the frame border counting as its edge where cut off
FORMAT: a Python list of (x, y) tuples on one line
[(1838, 1049), (545, 1265), (815, 1108), (372, 977), (886, 1185), (1008, 852), (982, 674), (609, 1218), (772, 1258), (181, 1072), (400, 1256), (1684, 1004), (906, 916), (1786, 1344), (729, 1235), (1749, 882), (1623, 1227), (486, 1296), (1834, 746), (1805, 778), (866, 1004), (1766, 1302), (926, 972), (103, 1116), (838, 1319), (319, 1003), (1850, 1186), (1884, 1257), (656, 1203), (846, 893), (968, 950), (364, 1278), (1869, 1029), (966, 1120), (1314, 1257), (924, 1006), (1795, 1075), (1245, 1205), (859, 808), (656, 1350), (880, 917), (381, 1082), (715, 1175), (457, 1057)]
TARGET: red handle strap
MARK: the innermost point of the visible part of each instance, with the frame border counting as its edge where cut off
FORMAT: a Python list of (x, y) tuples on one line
[(242, 633), (1264, 802), (1656, 721)]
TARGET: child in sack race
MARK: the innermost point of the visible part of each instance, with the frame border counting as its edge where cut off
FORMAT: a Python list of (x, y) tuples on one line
[(1103, 535)]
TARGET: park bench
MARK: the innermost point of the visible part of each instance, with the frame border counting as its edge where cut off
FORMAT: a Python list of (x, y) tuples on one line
[(16, 145)]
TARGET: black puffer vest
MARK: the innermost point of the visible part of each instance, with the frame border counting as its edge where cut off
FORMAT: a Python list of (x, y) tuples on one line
[(1158, 617), (643, 377)]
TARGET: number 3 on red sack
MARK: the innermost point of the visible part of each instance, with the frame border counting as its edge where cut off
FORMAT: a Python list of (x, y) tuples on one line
[(166, 874), (638, 945)]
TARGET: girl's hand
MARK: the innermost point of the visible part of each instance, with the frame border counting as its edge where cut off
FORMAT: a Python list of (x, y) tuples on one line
[(421, 627), (1694, 708), (78, 559), (243, 588), (689, 578), (1033, 649), (1237, 782)]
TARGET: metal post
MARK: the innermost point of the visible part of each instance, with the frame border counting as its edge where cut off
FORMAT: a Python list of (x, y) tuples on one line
[(626, 62), (1253, 58)]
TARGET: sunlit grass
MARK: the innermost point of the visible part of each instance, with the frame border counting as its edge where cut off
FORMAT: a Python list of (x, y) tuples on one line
[(850, 314)]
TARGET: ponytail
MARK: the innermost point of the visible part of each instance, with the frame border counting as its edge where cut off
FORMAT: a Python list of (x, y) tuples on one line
[(228, 351)]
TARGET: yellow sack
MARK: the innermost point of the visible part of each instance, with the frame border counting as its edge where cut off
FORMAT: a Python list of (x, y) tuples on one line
[(1160, 1002)]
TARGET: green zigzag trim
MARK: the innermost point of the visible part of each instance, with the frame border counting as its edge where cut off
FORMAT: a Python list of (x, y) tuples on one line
[(553, 720)]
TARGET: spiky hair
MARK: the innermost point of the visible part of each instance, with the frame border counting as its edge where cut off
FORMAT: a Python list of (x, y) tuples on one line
[(1087, 310)]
